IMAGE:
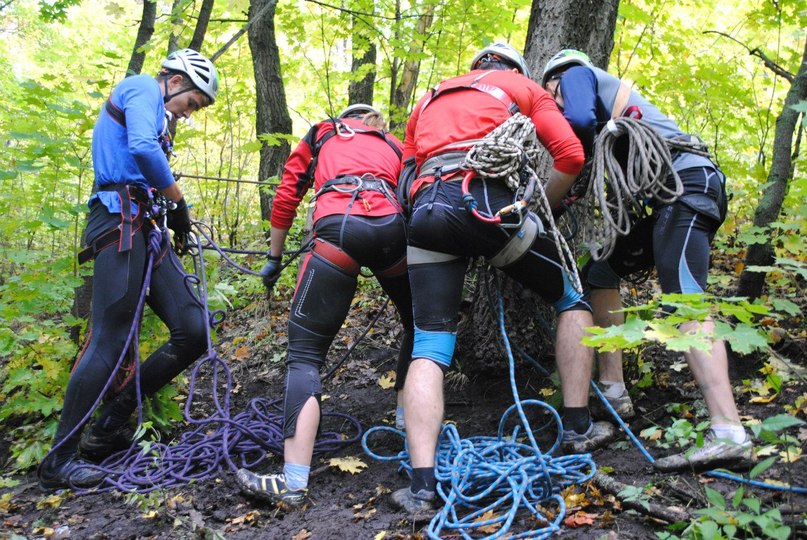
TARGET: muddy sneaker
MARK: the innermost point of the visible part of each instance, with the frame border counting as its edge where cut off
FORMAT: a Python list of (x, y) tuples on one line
[(714, 453), (74, 473), (596, 436), (272, 488), (97, 444), (622, 405), (420, 505)]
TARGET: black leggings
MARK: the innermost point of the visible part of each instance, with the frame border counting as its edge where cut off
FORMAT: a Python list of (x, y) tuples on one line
[(325, 289), (117, 281)]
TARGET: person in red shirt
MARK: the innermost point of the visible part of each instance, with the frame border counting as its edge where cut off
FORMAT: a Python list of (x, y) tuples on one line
[(353, 164), (444, 125)]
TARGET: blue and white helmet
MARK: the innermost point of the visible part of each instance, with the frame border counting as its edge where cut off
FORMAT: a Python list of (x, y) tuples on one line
[(198, 68)]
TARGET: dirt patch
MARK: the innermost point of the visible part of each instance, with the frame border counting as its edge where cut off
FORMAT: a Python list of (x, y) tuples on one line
[(345, 505)]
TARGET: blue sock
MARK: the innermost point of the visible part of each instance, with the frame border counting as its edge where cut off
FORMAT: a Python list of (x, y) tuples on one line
[(296, 475)]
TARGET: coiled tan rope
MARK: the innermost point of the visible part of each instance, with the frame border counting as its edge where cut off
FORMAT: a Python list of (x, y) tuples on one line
[(615, 197)]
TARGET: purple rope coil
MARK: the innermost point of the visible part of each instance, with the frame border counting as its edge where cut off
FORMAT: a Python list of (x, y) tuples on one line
[(216, 440)]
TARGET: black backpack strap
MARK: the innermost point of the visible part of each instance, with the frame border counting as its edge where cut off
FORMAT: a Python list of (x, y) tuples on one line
[(114, 112)]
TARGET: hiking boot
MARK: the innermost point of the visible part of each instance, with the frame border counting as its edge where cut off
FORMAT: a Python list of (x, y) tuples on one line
[(622, 405), (419, 505), (714, 453), (73, 473), (272, 488), (596, 436), (97, 444)]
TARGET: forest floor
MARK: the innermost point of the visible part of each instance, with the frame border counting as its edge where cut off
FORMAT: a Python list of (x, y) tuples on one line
[(348, 505)]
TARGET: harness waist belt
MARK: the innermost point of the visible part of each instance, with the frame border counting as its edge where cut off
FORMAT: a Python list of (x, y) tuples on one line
[(362, 183), (122, 234), (447, 162)]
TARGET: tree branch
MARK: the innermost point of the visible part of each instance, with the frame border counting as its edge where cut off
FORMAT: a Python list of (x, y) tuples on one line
[(670, 514), (243, 30), (770, 64), (354, 12)]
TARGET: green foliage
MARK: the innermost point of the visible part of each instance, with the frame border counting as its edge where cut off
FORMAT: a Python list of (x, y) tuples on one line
[(643, 325)]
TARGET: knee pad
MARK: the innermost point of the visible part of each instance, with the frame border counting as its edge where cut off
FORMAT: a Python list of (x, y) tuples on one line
[(435, 346), (302, 382), (519, 243), (600, 275), (336, 256), (572, 299)]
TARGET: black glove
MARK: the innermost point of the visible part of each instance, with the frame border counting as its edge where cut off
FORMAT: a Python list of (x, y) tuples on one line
[(179, 221), (271, 272)]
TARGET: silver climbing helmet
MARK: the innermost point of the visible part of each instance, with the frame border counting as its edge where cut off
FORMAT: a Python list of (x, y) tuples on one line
[(357, 110), (198, 68), (504, 53), (564, 59)]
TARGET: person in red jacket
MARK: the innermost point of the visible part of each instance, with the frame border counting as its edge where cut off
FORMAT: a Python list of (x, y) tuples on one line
[(353, 164), (444, 125)]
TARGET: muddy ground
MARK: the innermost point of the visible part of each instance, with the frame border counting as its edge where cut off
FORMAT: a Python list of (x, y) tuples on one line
[(345, 505)]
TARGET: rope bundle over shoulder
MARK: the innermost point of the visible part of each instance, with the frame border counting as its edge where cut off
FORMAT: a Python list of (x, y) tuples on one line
[(505, 151), (617, 196)]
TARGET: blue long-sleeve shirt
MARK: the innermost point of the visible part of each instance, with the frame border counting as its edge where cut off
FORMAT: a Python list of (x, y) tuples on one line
[(131, 154)]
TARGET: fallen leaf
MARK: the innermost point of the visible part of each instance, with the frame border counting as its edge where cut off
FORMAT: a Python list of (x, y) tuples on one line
[(546, 392), (350, 464), (302, 535), (51, 501), (764, 451), (791, 455), (380, 535), (490, 528), (242, 353), (387, 380), (580, 519), (151, 514), (761, 399), (367, 514)]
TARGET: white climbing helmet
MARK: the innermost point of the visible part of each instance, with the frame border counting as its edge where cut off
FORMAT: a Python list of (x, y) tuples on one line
[(201, 71), (357, 110), (504, 52), (565, 58)]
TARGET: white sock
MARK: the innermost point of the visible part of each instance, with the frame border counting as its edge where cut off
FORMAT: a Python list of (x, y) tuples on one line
[(613, 389), (731, 432), (296, 475)]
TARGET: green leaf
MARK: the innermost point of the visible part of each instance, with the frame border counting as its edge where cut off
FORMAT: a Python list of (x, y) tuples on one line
[(715, 497), (781, 421), (760, 468)]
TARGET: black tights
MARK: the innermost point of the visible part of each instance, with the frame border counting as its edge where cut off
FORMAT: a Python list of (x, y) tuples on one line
[(117, 280)]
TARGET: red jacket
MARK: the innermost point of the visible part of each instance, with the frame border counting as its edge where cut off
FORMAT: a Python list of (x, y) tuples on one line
[(363, 153), (468, 114)]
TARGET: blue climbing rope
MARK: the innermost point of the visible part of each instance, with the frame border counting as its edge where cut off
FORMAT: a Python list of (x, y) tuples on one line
[(486, 482)]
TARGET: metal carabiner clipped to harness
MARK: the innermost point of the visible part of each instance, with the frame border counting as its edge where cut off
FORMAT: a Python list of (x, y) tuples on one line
[(519, 207)]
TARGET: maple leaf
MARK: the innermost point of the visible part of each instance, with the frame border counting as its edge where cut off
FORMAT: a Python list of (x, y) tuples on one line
[(387, 380), (51, 501), (490, 528), (350, 464), (242, 353), (579, 519), (302, 535)]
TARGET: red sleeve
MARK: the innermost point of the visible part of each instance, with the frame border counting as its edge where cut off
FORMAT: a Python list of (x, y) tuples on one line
[(554, 132), (294, 182)]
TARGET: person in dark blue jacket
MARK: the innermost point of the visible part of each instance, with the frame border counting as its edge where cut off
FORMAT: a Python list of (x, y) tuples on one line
[(675, 239), (130, 162)]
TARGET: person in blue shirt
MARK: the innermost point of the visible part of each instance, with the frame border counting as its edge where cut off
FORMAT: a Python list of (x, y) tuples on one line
[(675, 239), (129, 151)]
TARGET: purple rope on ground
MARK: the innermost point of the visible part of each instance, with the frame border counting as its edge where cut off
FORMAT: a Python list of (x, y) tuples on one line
[(243, 440)]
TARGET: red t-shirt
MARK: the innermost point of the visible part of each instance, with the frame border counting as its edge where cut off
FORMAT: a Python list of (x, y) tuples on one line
[(469, 114), (360, 154)]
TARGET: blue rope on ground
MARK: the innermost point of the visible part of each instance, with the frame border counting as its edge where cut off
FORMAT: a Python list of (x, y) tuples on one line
[(498, 476)]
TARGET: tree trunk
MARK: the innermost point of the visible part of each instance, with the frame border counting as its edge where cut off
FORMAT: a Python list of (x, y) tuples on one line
[(176, 22), (773, 192), (144, 33), (403, 90), (201, 25), (554, 24), (364, 54), (587, 25), (271, 114)]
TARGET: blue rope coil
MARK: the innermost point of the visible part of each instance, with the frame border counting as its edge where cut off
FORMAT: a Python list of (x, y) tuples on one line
[(499, 476)]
